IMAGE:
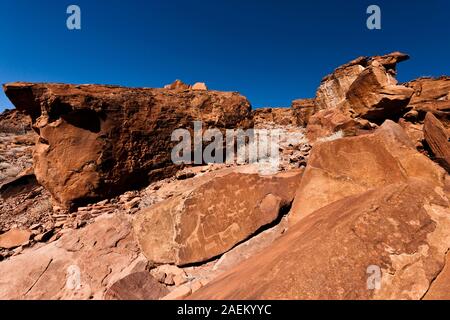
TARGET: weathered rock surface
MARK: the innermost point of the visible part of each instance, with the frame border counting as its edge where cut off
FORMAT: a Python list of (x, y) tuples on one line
[(335, 122), (403, 229), (349, 166), (137, 286), (431, 95), (14, 238), (98, 141), (303, 109), (13, 121), (211, 219), (334, 87), (437, 137), (375, 95), (360, 91), (274, 116), (83, 264)]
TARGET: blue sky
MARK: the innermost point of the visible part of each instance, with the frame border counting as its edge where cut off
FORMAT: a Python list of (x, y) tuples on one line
[(270, 51)]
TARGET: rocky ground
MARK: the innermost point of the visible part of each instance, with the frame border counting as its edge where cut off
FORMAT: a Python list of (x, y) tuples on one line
[(93, 208)]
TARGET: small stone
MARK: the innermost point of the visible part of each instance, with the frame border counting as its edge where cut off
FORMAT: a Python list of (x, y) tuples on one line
[(184, 175), (35, 226), (102, 203), (179, 293), (14, 238), (169, 280), (17, 250), (59, 224), (160, 276), (132, 203), (55, 237), (179, 280)]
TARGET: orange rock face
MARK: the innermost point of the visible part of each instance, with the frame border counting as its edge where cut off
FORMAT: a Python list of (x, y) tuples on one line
[(437, 138), (349, 166), (431, 95), (303, 109), (14, 238), (401, 230), (274, 116), (98, 141), (211, 219), (136, 286)]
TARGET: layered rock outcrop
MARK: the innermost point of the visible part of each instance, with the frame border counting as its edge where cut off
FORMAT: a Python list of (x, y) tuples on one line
[(98, 141)]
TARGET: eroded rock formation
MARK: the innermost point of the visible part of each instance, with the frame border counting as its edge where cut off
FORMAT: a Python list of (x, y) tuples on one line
[(99, 141)]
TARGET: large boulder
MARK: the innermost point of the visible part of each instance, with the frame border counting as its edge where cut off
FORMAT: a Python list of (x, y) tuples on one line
[(335, 87), (349, 166), (97, 141), (213, 217), (386, 243), (376, 96)]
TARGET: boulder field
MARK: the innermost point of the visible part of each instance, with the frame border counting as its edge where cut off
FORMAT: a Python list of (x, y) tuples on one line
[(92, 206)]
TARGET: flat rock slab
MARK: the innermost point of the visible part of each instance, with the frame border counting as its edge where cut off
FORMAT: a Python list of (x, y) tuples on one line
[(14, 238), (214, 217)]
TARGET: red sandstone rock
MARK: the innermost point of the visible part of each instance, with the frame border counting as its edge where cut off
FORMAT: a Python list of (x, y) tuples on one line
[(350, 166), (402, 229), (137, 286), (83, 264), (212, 218), (14, 238), (274, 116), (431, 95), (437, 138), (303, 109), (99, 141)]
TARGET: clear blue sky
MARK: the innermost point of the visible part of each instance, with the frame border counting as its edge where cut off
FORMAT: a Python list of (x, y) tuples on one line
[(270, 51)]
